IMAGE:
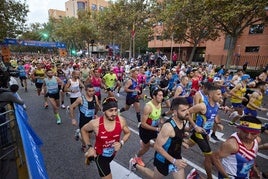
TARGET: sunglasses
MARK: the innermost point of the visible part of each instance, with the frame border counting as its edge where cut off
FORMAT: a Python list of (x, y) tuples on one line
[(108, 100)]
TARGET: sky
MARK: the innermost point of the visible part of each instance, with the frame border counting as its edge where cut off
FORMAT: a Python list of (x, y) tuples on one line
[(39, 9)]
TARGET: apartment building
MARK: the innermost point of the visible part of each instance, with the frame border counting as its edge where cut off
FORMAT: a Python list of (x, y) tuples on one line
[(251, 47), (73, 6)]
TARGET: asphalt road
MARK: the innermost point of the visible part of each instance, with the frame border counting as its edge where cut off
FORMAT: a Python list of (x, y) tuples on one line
[(63, 156)]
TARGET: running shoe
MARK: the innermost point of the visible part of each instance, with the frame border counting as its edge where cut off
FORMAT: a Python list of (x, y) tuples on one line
[(118, 95), (139, 124), (76, 134), (231, 123), (144, 97), (59, 121), (233, 115), (46, 106), (132, 164), (193, 174), (63, 106), (68, 109), (213, 136), (139, 161)]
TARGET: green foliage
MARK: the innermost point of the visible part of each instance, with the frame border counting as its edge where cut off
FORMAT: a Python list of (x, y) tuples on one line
[(12, 18), (233, 16), (187, 21)]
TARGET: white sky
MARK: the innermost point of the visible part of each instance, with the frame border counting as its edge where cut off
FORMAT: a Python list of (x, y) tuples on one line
[(39, 9)]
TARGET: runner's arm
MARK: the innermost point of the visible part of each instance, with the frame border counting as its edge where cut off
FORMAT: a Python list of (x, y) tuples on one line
[(229, 147), (145, 115)]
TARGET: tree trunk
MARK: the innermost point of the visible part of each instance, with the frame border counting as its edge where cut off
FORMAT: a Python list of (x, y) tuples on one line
[(230, 52), (192, 54)]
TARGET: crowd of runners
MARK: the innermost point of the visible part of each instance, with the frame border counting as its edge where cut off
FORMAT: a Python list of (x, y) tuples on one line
[(193, 95)]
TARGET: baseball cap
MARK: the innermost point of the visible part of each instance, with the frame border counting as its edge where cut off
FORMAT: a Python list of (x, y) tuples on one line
[(245, 77)]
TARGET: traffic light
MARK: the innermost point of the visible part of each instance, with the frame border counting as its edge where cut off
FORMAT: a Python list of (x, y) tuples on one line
[(73, 52)]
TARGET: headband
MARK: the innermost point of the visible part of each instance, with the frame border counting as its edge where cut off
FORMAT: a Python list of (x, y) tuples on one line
[(109, 105), (250, 127)]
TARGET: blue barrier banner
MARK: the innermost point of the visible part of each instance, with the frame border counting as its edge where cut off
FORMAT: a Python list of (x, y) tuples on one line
[(31, 143), (34, 43)]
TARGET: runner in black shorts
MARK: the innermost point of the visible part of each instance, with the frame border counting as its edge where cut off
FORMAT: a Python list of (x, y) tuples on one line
[(51, 86), (167, 158), (132, 90)]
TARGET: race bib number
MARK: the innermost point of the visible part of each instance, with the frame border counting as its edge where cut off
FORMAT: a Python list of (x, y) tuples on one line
[(155, 123), (208, 125), (246, 168), (39, 80), (108, 152), (172, 168), (90, 113)]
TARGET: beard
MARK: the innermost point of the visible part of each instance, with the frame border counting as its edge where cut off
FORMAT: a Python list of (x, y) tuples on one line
[(110, 118), (183, 118)]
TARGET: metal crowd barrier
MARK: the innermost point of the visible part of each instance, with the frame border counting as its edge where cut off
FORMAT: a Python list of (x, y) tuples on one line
[(12, 158)]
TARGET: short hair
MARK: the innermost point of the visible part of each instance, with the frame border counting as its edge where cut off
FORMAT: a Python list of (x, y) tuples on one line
[(213, 87), (89, 86), (155, 92), (261, 83), (178, 101)]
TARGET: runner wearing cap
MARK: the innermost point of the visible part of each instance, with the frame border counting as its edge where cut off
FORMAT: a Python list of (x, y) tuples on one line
[(235, 157), (237, 97)]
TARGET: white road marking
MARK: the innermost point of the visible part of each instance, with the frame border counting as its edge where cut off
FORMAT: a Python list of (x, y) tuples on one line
[(220, 137), (120, 172), (188, 161)]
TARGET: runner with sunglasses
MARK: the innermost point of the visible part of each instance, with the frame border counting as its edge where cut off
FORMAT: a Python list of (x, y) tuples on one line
[(107, 129)]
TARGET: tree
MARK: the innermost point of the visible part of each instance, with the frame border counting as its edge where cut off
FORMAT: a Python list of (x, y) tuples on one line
[(122, 18), (233, 16), (12, 18), (187, 21)]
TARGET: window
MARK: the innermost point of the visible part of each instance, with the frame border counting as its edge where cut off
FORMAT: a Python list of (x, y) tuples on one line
[(101, 8), (252, 49), (159, 37), (81, 6), (256, 29), (151, 38), (94, 7)]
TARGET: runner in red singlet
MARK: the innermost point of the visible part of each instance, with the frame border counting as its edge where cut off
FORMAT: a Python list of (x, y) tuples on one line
[(107, 129)]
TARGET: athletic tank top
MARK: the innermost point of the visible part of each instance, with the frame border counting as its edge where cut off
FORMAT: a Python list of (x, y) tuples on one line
[(62, 76), (132, 87), (240, 163), (207, 120), (22, 71), (184, 92), (257, 102), (241, 92), (173, 144), (96, 83), (105, 139), (154, 117), (203, 96), (52, 85), (39, 75), (75, 87), (87, 109)]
